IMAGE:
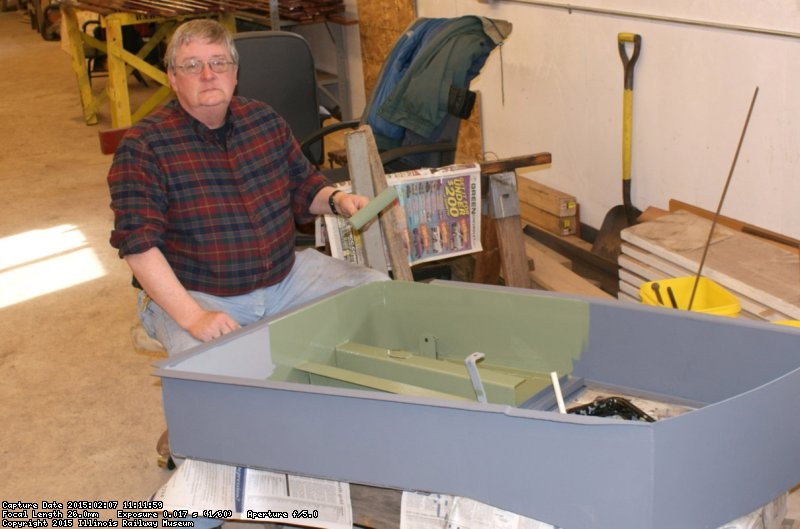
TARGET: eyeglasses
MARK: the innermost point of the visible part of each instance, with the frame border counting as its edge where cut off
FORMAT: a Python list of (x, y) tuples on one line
[(195, 66)]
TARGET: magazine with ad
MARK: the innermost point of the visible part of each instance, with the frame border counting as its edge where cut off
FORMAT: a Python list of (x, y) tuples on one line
[(442, 209)]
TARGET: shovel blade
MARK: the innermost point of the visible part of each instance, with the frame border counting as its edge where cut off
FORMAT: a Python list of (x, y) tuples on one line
[(608, 242)]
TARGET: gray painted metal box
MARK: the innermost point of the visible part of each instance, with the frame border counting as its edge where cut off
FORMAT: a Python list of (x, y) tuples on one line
[(306, 393)]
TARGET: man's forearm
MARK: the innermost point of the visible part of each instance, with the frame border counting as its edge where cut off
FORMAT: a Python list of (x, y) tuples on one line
[(157, 278)]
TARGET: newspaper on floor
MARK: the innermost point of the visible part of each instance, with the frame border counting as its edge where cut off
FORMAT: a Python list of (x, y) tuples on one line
[(442, 208), (440, 511), (210, 490)]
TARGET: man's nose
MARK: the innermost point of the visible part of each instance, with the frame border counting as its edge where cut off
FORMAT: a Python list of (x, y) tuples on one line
[(206, 71)]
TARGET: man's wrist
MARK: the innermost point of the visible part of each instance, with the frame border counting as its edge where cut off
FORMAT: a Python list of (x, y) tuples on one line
[(332, 201)]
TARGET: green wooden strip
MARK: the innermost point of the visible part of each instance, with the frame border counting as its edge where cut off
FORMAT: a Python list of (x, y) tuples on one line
[(373, 207), (439, 375), (370, 381)]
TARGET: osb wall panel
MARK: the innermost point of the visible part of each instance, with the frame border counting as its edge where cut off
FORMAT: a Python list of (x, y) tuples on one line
[(381, 22), (470, 144)]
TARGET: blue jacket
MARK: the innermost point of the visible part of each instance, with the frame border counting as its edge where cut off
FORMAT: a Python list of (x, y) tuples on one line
[(443, 53), (388, 134)]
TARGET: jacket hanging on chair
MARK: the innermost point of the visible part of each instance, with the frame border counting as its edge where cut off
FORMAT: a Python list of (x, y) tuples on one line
[(436, 82)]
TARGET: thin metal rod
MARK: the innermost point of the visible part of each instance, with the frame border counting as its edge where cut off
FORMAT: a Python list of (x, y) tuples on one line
[(661, 18), (722, 199)]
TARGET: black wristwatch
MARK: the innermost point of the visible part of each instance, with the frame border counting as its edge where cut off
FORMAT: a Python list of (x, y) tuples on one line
[(331, 203)]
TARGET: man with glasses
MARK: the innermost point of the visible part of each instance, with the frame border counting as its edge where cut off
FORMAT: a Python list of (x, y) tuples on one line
[(206, 193)]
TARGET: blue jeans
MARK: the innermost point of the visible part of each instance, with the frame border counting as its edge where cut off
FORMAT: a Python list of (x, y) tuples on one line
[(313, 275)]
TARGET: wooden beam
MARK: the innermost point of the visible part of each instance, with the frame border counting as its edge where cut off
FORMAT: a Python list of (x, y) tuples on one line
[(360, 145), (549, 274), (784, 240)]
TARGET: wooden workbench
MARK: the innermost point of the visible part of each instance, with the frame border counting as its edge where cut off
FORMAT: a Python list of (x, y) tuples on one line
[(166, 15)]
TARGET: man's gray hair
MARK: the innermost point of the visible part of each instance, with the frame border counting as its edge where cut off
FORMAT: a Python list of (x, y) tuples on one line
[(205, 29)]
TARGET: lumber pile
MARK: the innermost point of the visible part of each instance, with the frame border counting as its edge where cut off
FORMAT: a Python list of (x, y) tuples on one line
[(764, 276), (552, 271), (562, 261), (309, 10), (548, 208)]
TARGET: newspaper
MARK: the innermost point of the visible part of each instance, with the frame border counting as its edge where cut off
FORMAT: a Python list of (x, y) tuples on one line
[(440, 511), (210, 490), (442, 208)]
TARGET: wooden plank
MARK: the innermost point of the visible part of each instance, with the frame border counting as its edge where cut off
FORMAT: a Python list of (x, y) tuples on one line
[(559, 258), (513, 260), (742, 263), (375, 507), (551, 275), (515, 162), (651, 268), (552, 223), (503, 207), (677, 205), (651, 213), (392, 220), (636, 263), (584, 262), (487, 262), (501, 239), (546, 198), (359, 170)]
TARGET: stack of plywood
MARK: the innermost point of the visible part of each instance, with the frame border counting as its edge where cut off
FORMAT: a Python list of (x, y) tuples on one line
[(309, 10), (547, 208), (765, 277)]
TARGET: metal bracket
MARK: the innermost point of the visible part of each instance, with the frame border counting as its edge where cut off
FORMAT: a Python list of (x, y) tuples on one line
[(503, 201), (472, 368)]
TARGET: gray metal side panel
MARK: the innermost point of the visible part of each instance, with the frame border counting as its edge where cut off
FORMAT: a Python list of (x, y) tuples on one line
[(571, 474), (693, 356), (709, 466), (728, 459)]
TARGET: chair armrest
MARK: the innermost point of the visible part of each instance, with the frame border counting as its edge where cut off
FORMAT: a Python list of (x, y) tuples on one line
[(319, 135)]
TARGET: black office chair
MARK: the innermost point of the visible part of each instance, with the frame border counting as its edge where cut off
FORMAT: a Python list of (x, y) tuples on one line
[(277, 67)]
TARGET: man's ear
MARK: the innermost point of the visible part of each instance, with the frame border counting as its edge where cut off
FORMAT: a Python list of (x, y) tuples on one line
[(171, 78)]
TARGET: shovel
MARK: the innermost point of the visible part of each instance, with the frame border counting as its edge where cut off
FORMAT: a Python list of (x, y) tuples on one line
[(607, 243)]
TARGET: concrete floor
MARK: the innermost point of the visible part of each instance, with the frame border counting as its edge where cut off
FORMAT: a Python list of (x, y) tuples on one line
[(81, 411)]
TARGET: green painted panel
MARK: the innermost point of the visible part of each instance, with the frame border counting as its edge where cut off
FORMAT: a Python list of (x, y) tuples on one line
[(336, 376), (441, 375), (524, 336)]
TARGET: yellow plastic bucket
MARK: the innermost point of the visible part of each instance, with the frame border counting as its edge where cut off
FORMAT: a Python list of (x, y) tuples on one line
[(710, 297)]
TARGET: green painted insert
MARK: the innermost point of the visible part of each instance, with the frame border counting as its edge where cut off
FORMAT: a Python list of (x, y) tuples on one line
[(336, 376), (442, 375), (419, 335)]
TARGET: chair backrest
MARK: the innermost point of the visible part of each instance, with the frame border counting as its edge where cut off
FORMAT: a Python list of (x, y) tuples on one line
[(277, 67)]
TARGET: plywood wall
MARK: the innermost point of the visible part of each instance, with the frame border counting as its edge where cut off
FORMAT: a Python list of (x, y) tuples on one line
[(381, 22)]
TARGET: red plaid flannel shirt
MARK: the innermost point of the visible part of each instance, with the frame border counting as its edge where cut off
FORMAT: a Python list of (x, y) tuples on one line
[(223, 213)]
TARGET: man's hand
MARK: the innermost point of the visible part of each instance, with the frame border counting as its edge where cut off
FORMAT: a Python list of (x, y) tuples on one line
[(159, 281), (211, 325), (347, 204)]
